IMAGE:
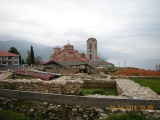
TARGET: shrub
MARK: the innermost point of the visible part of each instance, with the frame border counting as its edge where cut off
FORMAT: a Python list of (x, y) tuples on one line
[(11, 115)]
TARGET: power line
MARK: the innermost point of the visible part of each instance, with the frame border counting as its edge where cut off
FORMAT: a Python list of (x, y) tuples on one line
[(125, 63)]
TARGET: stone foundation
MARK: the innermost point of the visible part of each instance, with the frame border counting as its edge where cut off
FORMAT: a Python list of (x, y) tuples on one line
[(99, 84), (37, 85), (73, 85), (130, 89), (50, 110), (45, 110)]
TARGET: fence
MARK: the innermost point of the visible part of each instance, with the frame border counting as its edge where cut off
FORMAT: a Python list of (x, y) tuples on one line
[(81, 100)]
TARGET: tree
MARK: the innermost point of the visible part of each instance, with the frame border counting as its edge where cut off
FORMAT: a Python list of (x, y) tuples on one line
[(22, 62), (15, 51), (111, 67), (30, 58)]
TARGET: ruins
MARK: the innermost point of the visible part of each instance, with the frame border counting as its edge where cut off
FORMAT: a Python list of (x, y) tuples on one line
[(126, 89)]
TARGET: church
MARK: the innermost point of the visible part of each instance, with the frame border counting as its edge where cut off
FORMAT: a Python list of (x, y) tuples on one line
[(68, 57), (69, 53)]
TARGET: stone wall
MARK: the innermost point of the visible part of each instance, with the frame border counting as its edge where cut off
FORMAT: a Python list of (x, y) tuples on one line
[(5, 75), (37, 85), (119, 89), (99, 83), (130, 89), (125, 88), (45, 110)]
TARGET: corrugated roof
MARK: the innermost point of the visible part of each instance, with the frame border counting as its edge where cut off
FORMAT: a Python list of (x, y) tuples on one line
[(7, 54)]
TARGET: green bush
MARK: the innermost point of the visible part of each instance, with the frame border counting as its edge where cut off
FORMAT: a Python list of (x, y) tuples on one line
[(11, 115)]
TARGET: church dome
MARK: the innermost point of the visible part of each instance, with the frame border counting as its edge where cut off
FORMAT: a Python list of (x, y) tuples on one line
[(68, 45)]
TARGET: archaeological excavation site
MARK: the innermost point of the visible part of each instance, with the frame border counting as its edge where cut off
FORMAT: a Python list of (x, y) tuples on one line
[(80, 96)]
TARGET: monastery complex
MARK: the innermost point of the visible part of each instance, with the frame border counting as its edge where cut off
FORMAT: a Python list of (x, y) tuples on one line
[(69, 53)]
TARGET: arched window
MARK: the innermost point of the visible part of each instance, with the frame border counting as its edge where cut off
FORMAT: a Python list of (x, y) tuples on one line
[(90, 46), (90, 57)]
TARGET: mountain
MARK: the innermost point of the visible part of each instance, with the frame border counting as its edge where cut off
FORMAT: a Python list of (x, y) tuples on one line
[(46, 51), (24, 46)]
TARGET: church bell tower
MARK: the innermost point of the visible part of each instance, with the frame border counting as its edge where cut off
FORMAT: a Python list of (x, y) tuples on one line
[(92, 49)]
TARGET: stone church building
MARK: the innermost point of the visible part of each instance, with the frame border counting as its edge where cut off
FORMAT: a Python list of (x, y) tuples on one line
[(69, 53)]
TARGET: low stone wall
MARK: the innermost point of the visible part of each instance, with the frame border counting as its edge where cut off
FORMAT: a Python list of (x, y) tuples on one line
[(5, 75), (37, 85), (130, 89), (45, 110), (119, 89), (73, 85), (99, 83), (50, 110)]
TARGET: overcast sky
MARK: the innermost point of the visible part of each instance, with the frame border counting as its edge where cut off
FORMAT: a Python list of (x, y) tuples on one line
[(123, 26)]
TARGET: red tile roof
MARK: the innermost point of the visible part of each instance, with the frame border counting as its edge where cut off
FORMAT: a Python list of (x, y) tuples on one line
[(6, 54), (82, 59), (68, 45), (73, 51)]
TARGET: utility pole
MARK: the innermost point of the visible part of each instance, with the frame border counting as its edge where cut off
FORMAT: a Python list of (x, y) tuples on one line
[(157, 67)]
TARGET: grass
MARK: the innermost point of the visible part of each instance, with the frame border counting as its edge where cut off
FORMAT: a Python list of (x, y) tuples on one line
[(129, 116), (152, 83), (101, 91), (11, 115)]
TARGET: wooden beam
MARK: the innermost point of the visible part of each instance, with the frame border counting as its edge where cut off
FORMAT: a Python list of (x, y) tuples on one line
[(79, 100)]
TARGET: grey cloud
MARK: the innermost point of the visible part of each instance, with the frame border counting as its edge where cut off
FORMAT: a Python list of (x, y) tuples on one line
[(122, 28)]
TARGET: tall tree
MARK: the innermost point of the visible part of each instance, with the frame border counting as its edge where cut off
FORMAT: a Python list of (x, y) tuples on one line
[(28, 59), (32, 56)]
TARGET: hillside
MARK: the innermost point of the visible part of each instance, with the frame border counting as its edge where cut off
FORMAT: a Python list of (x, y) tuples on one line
[(46, 51), (39, 50)]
